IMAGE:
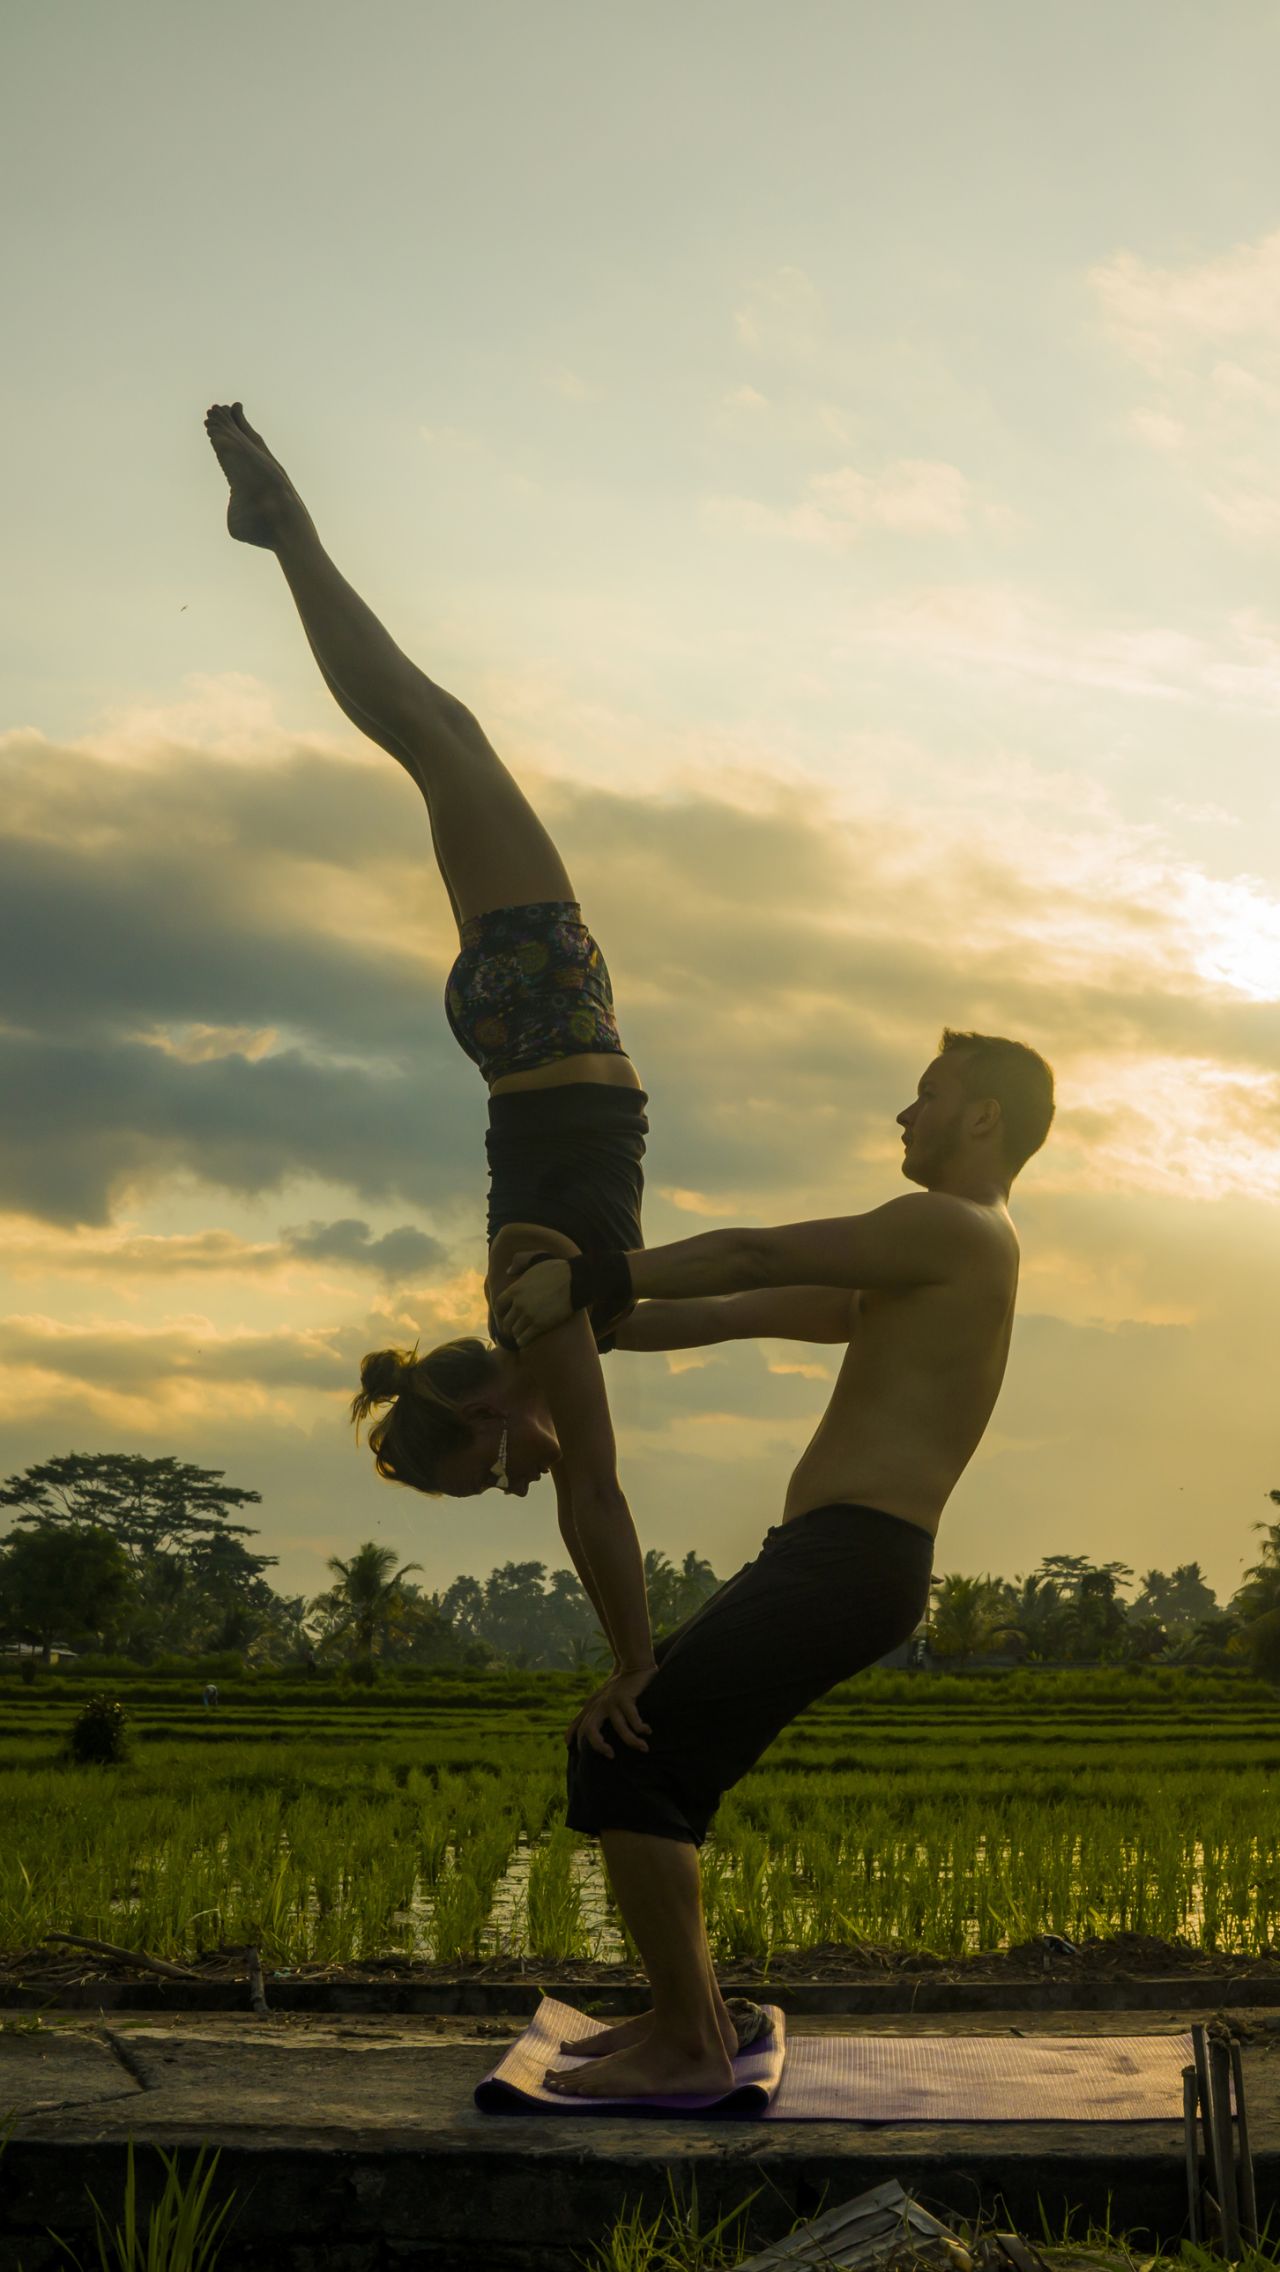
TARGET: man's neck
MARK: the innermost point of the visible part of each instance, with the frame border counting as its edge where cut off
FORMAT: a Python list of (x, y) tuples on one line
[(979, 1185)]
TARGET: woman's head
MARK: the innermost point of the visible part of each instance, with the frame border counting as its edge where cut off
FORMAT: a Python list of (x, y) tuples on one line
[(461, 1419)]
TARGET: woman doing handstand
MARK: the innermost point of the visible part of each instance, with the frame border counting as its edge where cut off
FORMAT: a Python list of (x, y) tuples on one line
[(529, 999)]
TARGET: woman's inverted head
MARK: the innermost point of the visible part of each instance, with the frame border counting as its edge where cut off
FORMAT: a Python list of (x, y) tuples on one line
[(463, 1419)]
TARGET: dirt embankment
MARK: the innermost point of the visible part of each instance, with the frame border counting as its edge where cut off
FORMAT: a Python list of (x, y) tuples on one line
[(1130, 1956)]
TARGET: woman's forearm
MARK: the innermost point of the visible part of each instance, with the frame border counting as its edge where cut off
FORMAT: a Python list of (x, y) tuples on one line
[(586, 1577), (612, 1570)]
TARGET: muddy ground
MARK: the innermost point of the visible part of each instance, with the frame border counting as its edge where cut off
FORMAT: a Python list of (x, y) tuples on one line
[(1124, 1956)]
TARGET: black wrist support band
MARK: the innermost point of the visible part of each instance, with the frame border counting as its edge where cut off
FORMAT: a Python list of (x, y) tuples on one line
[(600, 1279)]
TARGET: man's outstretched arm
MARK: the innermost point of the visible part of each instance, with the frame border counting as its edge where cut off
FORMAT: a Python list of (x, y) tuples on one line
[(918, 1240), (774, 1313)]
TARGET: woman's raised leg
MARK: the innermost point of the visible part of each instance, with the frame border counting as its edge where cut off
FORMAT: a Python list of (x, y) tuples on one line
[(492, 849)]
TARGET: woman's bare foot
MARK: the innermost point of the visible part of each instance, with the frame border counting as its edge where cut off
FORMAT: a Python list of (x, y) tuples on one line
[(655, 2068), (627, 2032), (264, 506)]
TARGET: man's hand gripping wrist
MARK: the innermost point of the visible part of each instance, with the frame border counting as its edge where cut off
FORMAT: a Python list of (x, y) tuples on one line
[(547, 1289)]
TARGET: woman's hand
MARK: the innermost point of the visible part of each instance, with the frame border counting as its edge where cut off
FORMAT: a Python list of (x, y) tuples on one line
[(535, 1302), (616, 1701)]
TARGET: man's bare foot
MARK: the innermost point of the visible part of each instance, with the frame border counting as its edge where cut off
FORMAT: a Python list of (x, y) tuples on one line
[(627, 2032), (264, 505), (655, 2068)]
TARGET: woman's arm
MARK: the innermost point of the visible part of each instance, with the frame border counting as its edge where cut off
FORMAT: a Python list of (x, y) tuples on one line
[(566, 1365), (569, 1533), (779, 1313)]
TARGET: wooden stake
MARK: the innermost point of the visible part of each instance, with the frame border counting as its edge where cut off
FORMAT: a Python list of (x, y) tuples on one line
[(1248, 2194), (1220, 2082), (1190, 2145), (136, 1957)]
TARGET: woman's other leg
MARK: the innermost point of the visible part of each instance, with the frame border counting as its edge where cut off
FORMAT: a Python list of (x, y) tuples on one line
[(492, 849)]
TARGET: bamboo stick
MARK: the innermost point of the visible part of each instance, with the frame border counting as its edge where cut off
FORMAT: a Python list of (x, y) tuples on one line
[(1220, 2081), (136, 1957), (257, 1993), (1190, 2147), (1248, 2193)]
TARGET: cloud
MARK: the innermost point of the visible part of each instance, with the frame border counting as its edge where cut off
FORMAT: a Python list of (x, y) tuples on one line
[(782, 318), (1207, 333), (989, 631), (237, 1109), (221, 980), (402, 1253), (843, 507)]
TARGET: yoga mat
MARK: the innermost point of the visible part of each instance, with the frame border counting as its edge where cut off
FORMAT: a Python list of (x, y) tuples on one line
[(880, 2078), (516, 2087)]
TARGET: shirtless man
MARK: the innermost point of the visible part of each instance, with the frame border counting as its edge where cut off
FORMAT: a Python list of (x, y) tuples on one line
[(923, 1291)]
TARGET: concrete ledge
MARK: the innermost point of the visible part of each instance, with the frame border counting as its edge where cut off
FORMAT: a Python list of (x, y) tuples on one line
[(354, 2146)]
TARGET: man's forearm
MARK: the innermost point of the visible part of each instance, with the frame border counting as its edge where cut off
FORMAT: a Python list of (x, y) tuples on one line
[(715, 1262), (672, 1325)]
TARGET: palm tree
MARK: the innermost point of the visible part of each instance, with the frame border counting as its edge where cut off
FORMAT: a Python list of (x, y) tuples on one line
[(696, 1581), (963, 1615), (1035, 1613), (586, 1653), (367, 1596)]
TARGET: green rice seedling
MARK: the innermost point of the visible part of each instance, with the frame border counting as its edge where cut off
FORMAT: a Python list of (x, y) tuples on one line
[(674, 2240), (433, 1838), (181, 2234), (460, 1915), (739, 1916), (554, 1895)]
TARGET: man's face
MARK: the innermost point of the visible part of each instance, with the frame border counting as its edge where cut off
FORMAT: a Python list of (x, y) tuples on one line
[(933, 1127), (532, 1447)]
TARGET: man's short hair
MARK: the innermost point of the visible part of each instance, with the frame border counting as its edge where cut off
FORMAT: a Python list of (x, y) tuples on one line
[(1017, 1077)]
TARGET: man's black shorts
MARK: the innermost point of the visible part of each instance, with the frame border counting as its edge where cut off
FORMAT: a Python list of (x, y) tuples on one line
[(829, 1593)]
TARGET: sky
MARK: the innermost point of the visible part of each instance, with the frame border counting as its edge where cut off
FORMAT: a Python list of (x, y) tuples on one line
[(833, 450)]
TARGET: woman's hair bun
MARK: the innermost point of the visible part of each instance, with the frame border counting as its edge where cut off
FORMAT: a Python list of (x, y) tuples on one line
[(383, 1373)]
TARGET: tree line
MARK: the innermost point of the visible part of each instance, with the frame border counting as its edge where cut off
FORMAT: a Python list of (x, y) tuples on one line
[(140, 1557)]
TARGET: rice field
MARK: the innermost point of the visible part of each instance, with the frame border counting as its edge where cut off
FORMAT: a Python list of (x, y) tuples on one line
[(413, 1822)]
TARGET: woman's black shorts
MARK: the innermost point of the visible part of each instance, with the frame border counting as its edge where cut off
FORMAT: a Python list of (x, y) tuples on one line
[(530, 987), (830, 1592)]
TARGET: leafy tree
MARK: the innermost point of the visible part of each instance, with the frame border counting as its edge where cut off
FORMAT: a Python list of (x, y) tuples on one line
[(424, 1635), (524, 1616), (67, 1582), (675, 1594), (1256, 1606), (1176, 1597), (1097, 1618), (366, 1605), (1032, 1615), (194, 1578)]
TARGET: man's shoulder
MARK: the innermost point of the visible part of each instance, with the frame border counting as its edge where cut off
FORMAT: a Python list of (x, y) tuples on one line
[(971, 1231)]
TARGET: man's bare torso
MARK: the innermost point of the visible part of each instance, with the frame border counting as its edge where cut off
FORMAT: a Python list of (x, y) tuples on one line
[(916, 1388)]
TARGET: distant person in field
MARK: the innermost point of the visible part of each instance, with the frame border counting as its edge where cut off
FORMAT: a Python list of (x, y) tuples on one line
[(922, 1290), (529, 999)]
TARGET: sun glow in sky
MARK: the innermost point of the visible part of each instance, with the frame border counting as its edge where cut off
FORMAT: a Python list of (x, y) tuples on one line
[(834, 452)]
